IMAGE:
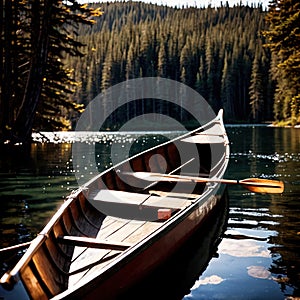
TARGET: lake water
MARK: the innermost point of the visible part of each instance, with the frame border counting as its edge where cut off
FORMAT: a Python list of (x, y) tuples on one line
[(254, 253)]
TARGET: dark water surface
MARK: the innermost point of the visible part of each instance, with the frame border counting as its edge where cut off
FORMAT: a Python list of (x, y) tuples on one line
[(258, 254)]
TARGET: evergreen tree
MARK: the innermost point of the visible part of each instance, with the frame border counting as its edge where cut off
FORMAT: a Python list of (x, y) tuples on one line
[(162, 59), (212, 50), (256, 90), (226, 90), (284, 42), (36, 36)]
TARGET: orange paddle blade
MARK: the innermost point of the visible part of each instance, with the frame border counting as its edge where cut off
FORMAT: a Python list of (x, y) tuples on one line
[(260, 185)]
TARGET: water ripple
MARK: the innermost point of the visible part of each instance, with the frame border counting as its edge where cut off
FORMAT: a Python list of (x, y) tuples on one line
[(275, 157)]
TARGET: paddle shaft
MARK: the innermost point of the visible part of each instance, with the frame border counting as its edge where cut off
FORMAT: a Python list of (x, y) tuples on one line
[(217, 180), (229, 181), (154, 183), (256, 185)]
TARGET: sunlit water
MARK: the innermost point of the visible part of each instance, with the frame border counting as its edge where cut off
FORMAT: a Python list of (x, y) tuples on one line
[(258, 255)]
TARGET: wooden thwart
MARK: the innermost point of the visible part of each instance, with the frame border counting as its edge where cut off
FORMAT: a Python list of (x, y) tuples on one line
[(92, 243), (135, 199), (173, 194)]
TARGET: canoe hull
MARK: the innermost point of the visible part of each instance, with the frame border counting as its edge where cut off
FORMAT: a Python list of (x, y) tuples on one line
[(145, 259), (134, 241)]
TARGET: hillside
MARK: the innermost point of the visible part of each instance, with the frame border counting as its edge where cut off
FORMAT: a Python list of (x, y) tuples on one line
[(218, 52)]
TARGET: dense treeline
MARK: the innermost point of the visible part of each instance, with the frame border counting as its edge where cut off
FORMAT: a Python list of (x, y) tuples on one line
[(217, 51), (35, 84), (284, 41), (241, 58)]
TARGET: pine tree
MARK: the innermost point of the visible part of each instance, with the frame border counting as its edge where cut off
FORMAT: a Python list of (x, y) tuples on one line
[(162, 59), (226, 90), (284, 42), (211, 50), (256, 90), (41, 33)]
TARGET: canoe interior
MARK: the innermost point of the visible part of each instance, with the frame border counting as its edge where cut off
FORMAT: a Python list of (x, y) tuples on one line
[(47, 272), (55, 264), (161, 160)]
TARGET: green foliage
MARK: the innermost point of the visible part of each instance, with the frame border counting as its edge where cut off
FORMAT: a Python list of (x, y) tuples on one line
[(56, 106), (284, 41), (211, 50), (47, 77), (35, 84)]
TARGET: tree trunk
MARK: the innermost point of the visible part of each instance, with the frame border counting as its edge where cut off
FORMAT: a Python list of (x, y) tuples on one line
[(6, 65), (2, 103), (22, 129)]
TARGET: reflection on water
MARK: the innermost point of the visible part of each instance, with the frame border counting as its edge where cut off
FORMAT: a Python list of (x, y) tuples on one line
[(258, 257), (259, 254), (33, 183)]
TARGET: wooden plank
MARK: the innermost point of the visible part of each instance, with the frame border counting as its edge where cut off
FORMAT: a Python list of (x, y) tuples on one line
[(134, 231), (113, 224), (33, 284), (142, 232), (93, 243), (172, 194), (53, 279), (114, 196), (110, 225), (125, 231), (117, 232), (166, 202), (107, 222), (136, 199), (89, 257), (85, 268), (204, 139)]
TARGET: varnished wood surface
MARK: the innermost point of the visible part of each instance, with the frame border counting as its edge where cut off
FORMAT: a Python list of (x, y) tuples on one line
[(92, 243), (142, 200), (116, 230)]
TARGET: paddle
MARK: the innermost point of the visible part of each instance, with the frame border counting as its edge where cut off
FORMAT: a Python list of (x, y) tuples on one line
[(256, 185)]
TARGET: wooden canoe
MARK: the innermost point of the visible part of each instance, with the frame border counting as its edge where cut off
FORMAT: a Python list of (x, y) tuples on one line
[(117, 228)]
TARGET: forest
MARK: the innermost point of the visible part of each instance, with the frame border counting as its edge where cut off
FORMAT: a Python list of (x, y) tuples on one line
[(219, 52), (56, 56)]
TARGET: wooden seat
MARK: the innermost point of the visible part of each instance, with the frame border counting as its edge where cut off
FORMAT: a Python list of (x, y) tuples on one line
[(136, 199), (176, 195)]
